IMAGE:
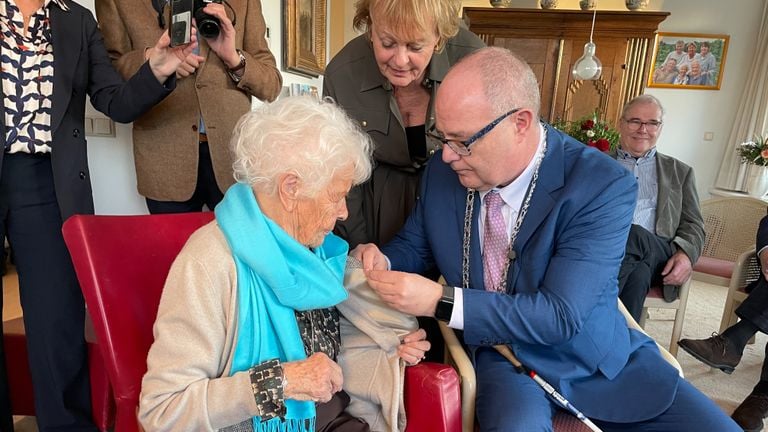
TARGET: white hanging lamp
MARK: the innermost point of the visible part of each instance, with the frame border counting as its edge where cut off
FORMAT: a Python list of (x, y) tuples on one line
[(588, 66)]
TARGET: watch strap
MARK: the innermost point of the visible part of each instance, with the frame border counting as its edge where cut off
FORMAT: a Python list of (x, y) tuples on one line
[(444, 308)]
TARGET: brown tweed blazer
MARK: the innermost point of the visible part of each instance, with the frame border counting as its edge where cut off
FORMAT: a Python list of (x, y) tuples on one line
[(165, 139)]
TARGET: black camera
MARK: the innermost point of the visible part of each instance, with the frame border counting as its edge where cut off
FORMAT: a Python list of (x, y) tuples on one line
[(207, 25)]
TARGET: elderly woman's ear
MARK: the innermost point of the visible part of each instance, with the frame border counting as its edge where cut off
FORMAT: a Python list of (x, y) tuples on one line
[(288, 190)]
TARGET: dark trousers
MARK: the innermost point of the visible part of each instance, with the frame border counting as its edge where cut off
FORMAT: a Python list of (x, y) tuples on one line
[(207, 192), (644, 259), (54, 310), (6, 419)]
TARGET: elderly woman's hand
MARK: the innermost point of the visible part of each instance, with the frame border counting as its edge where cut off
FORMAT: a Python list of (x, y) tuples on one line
[(413, 347), (370, 256), (315, 379)]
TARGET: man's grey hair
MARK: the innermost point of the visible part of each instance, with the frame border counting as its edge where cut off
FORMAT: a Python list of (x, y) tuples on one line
[(302, 136), (643, 99)]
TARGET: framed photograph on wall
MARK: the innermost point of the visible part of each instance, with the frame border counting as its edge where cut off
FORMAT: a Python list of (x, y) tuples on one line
[(304, 36), (688, 61)]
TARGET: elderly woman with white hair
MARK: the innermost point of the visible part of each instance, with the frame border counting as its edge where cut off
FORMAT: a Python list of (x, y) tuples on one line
[(247, 332)]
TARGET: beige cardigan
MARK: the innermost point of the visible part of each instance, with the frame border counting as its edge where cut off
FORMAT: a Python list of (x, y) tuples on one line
[(373, 371), (195, 335), (187, 386)]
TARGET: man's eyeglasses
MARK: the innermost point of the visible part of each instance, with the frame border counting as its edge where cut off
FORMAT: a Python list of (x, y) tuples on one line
[(635, 124), (461, 148)]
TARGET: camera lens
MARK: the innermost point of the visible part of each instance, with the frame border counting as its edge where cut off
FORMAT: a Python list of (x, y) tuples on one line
[(208, 27)]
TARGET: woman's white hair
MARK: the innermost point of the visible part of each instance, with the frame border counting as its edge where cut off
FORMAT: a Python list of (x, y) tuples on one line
[(302, 136)]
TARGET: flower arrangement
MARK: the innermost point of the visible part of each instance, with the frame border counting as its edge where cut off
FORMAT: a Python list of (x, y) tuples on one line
[(754, 152), (591, 131)]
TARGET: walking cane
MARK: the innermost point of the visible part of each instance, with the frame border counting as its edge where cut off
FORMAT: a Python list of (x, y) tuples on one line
[(557, 397)]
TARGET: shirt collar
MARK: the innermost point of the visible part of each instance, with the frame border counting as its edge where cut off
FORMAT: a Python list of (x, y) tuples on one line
[(514, 193), (650, 154), (60, 3)]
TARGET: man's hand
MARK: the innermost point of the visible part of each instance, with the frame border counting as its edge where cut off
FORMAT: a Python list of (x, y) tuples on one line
[(316, 379), (677, 270), (406, 292), (223, 44), (189, 65), (370, 256), (164, 59), (413, 347)]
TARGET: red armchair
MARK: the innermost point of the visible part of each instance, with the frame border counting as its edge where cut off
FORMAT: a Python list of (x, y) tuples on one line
[(121, 263)]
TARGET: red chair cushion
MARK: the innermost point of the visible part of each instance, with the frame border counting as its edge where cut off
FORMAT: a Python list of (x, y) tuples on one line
[(714, 266), (432, 398)]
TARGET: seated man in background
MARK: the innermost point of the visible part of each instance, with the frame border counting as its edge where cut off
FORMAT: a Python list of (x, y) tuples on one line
[(667, 233), (724, 351), (528, 227)]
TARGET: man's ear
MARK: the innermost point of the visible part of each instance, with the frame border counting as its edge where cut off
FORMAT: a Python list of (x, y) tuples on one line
[(524, 121), (288, 190)]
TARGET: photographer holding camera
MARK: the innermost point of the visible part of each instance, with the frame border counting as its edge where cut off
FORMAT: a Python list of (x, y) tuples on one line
[(181, 147)]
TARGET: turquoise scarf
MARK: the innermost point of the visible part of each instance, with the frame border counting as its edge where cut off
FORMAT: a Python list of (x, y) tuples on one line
[(276, 275)]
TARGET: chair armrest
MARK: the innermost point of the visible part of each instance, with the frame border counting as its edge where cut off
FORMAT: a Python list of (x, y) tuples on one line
[(431, 397), (456, 356), (631, 323)]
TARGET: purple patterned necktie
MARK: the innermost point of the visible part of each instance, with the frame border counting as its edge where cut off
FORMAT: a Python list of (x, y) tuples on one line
[(495, 242)]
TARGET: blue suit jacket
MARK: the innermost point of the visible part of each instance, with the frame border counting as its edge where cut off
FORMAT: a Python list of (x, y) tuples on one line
[(559, 314)]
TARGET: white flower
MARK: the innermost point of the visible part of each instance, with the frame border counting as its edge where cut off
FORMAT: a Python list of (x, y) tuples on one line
[(590, 133)]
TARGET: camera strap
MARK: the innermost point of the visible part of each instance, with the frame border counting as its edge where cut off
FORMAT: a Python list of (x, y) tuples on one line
[(159, 6)]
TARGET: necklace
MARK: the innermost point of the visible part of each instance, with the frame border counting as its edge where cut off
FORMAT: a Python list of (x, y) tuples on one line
[(468, 210)]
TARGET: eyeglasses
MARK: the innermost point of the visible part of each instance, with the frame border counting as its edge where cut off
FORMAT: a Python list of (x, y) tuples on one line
[(461, 148), (636, 124)]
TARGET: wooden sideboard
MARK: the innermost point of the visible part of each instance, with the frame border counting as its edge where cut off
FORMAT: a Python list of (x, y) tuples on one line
[(551, 40)]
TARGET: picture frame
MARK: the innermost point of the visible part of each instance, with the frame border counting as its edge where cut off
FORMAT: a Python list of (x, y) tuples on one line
[(304, 36), (703, 71)]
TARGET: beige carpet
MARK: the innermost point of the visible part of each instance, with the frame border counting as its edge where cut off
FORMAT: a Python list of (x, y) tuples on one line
[(703, 314)]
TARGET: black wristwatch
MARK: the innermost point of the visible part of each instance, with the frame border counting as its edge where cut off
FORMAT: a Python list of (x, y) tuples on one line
[(444, 307)]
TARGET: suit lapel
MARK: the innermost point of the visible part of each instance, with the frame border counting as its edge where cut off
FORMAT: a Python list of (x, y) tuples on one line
[(662, 180), (66, 50), (475, 260), (551, 177)]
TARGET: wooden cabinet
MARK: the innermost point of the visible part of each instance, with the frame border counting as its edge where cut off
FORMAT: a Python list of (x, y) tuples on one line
[(551, 40)]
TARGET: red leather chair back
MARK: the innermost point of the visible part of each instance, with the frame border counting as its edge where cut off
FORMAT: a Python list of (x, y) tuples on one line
[(121, 263)]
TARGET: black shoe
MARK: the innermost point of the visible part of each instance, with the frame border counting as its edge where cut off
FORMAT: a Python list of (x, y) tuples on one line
[(750, 414), (716, 352), (670, 293)]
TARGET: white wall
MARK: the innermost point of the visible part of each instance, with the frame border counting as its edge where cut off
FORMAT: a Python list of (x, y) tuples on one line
[(111, 159)]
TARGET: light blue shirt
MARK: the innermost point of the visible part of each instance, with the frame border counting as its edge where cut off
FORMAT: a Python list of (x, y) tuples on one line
[(644, 169)]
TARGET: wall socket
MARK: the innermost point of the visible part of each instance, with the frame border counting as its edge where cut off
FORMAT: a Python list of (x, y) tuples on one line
[(99, 127), (709, 136)]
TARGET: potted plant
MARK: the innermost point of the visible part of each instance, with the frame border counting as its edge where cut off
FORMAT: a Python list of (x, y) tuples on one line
[(591, 131), (755, 154)]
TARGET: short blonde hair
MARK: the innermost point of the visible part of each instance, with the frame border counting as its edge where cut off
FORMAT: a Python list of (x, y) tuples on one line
[(411, 17), (303, 136)]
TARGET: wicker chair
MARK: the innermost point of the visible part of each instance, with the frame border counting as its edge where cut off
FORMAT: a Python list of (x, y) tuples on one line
[(730, 224), (457, 356), (745, 271)]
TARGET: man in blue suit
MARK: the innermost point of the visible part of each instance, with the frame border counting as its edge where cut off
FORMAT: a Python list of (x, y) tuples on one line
[(559, 213)]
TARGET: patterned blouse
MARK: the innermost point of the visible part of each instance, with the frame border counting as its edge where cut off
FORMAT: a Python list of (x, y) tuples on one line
[(319, 330), (27, 77)]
